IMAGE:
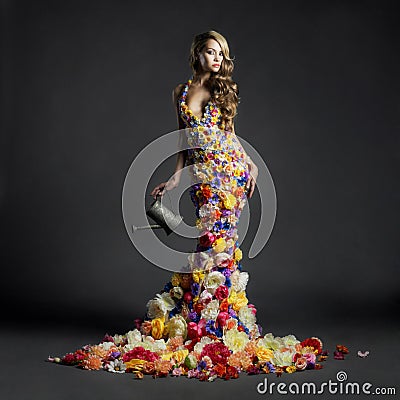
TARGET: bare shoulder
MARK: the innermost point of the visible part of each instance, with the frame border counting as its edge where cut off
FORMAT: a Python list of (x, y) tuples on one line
[(177, 91)]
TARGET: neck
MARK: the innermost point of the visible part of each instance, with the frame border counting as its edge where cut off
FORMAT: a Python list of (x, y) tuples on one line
[(201, 77)]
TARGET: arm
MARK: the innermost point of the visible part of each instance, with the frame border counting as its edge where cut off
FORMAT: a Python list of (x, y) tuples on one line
[(182, 154), (253, 169)]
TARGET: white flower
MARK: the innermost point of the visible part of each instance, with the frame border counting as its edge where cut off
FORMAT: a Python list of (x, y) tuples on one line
[(134, 336), (271, 342), (149, 343), (213, 280), (239, 280), (107, 345), (205, 210), (200, 260), (221, 257), (177, 326), (211, 311), (290, 340), (198, 347), (158, 306), (283, 358), (118, 339), (205, 297), (235, 340), (116, 366), (247, 317)]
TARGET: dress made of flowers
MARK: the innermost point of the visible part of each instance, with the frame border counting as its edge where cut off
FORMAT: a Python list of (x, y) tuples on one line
[(201, 324)]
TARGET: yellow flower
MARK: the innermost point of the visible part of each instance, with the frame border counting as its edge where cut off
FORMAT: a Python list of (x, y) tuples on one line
[(176, 279), (238, 254), (238, 300), (157, 328), (180, 355), (198, 276), (235, 340), (290, 369), (229, 201), (237, 172), (135, 363), (219, 168), (167, 356), (219, 245), (264, 354)]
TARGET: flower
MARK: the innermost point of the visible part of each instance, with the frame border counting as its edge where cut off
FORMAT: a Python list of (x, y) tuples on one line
[(213, 280), (157, 328), (264, 354), (211, 311), (140, 353), (283, 358), (191, 361), (301, 363), (180, 355), (238, 254), (217, 351), (239, 280), (116, 366), (290, 340), (342, 349), (313, 342), (271, 342), (221, 292), (157, 307), (235, 340), (177, 327), (92, 362), (229, 201), (219, 245), (207, 239), (246, 316), (176, 292), (238, 300)]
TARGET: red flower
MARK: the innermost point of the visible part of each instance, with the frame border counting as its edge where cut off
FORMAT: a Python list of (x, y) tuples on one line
[(342, 349), (231, 372), (217, 351), (220, 370), (313, 342), (207, 239), (221, 292), (69, 359), (141, 353)]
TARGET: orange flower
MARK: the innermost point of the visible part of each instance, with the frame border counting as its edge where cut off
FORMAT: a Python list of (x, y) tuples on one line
[(224, 305), (99, 351), (93, 362)]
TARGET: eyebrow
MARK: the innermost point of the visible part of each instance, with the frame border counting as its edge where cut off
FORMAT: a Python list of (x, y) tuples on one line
[(211, 48)]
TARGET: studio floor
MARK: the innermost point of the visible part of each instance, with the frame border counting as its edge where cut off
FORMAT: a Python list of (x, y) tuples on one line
[(26, 374)]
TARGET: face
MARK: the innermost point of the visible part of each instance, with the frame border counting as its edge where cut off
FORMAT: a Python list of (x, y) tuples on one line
[(211, 56)]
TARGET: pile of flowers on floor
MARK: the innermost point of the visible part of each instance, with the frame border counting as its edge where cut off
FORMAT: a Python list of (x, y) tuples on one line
[(204, 358)]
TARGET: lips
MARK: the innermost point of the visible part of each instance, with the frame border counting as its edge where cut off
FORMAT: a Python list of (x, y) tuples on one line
[(215, 65)]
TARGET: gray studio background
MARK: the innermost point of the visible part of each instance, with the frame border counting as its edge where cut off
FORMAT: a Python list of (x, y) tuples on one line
[(87, 85)]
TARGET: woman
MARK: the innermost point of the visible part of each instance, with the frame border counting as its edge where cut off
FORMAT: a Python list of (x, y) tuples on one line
[(201, 324)]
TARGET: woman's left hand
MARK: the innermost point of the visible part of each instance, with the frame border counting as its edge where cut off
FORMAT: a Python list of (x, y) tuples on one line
[(251, 182)]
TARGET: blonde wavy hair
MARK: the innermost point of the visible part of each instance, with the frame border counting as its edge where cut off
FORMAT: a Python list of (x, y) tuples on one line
[(224, 91)]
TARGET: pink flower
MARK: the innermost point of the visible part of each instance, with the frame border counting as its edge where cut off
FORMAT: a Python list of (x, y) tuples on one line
[(221, 292), (301, 363), (223, 316), (310, 357), (193, 330), (207, 239), (217, 351), (187, 297)]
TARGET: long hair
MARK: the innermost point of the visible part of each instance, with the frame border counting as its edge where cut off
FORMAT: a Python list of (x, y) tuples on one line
[(224, 91)]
